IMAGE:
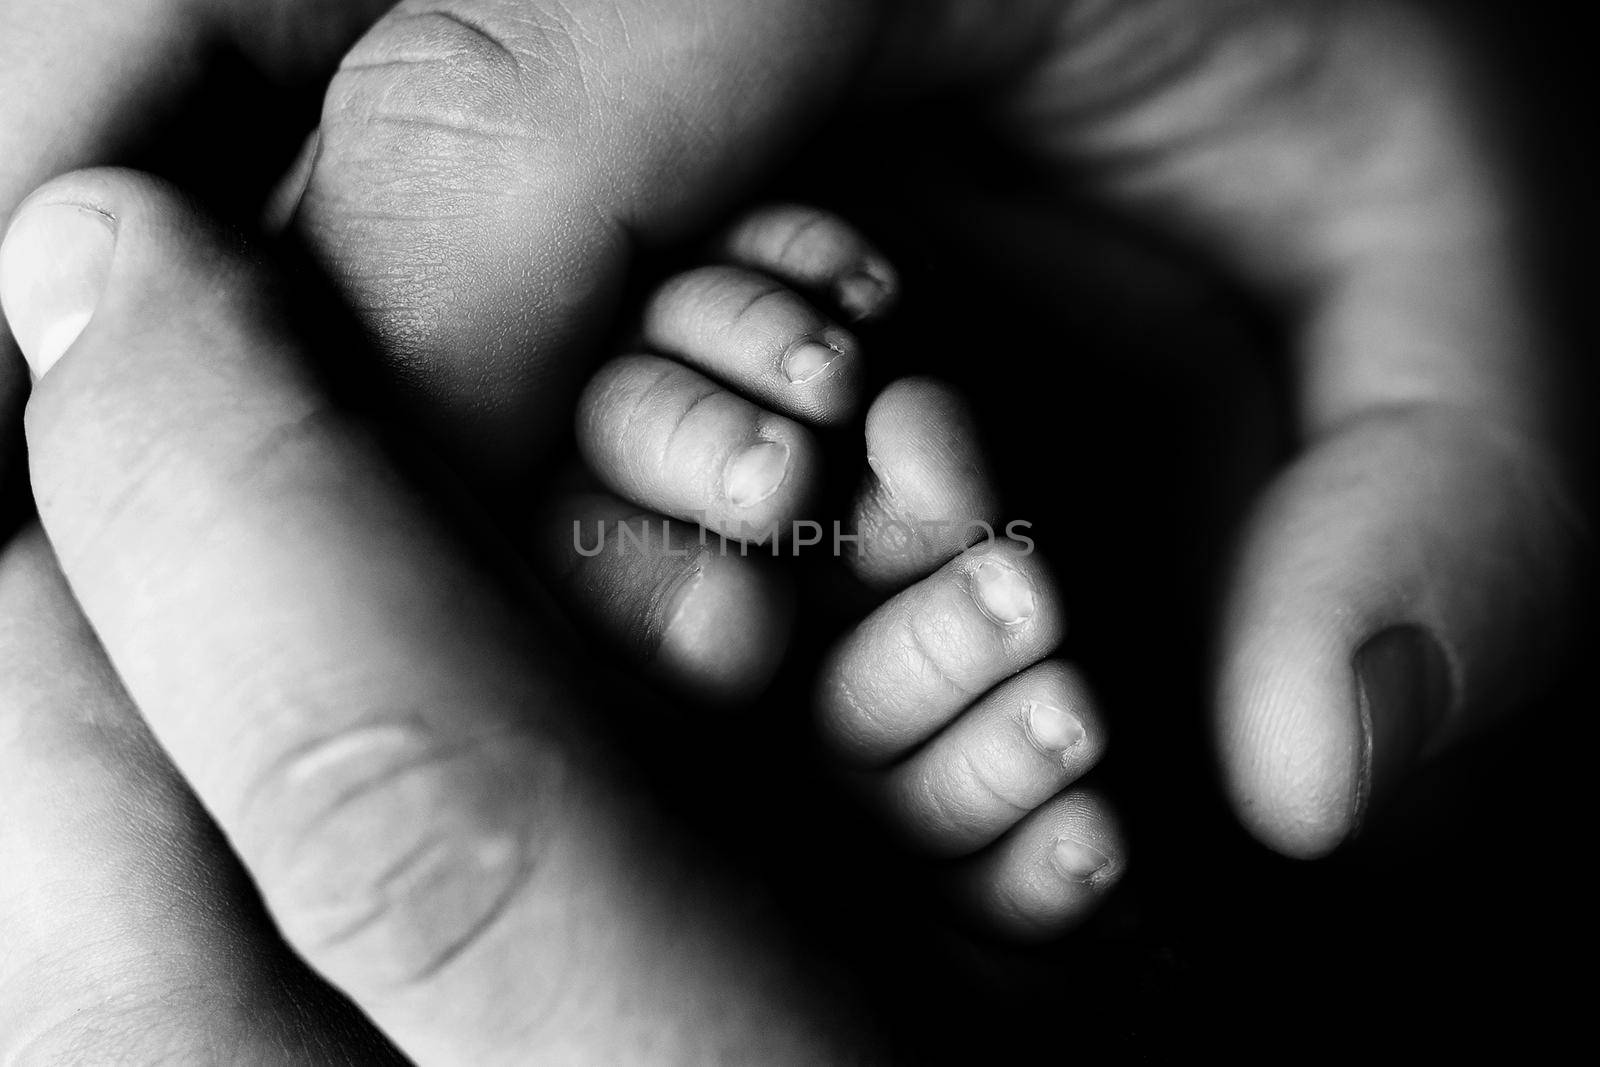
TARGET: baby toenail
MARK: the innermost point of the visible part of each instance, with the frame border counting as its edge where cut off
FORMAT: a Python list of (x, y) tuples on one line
[(861, 294), (673, 601), (807, 359), (1054, 731), (755, 474), (1077, 861), (1003, 594)]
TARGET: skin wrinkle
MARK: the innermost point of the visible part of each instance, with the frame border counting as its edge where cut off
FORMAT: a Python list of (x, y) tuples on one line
[(415, 731), (619, 383), (972, 772), (940, 812), (735, 321), (859, 725), (822, 262), (381, 910), (160, 895), (590, 35), (502, 137), (156, 984), (653, 621), (381, 906), (1281, 122), (1104, 78), (798, 233), (401, 316), (260, 484), (458, 109), (923, 645), (664, 463), (940, 478), (473, 27), (167, 461)]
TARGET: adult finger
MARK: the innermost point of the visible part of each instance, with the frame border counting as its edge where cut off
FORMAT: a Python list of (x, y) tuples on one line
[(80, 82), (130, 931), (1411, 573), (86, 82), (1403, 582), (398, 758)]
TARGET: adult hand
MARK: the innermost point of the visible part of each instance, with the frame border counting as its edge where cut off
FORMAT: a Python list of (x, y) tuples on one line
[(484, 165), (402, 761), (488, 167)]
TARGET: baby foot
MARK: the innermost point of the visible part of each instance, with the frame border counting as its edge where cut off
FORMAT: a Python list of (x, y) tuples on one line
[(710, 426), (968, 736)]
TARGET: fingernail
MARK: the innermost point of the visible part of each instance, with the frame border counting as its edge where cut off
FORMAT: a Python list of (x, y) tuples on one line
[(1003, 594), (1077, 861), (1403, 680), (807, 359), (1054, 731), (673, 599), (755, 474), (863, 294), (53, 270)]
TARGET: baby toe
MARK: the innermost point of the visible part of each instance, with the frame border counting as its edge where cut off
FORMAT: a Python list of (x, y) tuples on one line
[(1050, 872), (760, 338), (669, 439), (681, 610), (1012, 750), (928, 652), (818, 251), (928, 493)]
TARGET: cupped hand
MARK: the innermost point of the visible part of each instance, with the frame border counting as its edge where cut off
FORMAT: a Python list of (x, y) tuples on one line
[(487, 170), (409, 767)]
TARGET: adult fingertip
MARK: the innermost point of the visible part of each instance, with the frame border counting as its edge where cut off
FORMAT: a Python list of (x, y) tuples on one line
[(1306, 785), (54, 266)]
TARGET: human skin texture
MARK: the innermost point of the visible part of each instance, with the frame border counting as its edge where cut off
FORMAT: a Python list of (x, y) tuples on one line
[(486, 171)]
